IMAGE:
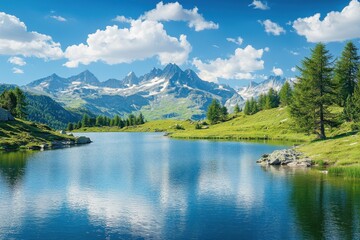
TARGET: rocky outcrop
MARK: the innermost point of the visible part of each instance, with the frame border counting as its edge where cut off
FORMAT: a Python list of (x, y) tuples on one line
[(82, 140), (286, 157)]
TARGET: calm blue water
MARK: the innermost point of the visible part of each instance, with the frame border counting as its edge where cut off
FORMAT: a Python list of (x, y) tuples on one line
[(146, 186)]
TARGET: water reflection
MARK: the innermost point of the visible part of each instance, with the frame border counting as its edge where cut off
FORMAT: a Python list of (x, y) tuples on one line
[(147, 186), (12, 167), (326, 209)]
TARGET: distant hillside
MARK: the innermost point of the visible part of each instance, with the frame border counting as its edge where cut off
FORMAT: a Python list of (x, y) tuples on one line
[(43, 109)]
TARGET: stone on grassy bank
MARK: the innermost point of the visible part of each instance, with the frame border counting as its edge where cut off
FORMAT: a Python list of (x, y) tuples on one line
[(286, 157)]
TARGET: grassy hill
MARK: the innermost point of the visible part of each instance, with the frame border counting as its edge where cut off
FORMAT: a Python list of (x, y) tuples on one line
[(23, 134)]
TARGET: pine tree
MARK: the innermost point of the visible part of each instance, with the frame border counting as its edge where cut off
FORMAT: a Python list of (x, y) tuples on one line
[(247, 110), (345, 72), (285, 94), (272, 99), (20, 109), (237, 109), (140, 119), (85, 122), (356, 101), (224, 113), (314, 92), (253, 106), (214, 113), (8, 101), (70, 127), (262, 102)]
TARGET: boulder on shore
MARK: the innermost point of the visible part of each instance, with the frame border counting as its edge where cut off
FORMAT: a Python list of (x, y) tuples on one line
[(286, 157), (82, 140)]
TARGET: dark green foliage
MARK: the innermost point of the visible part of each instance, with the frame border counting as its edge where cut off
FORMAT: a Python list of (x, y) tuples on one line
[(314, 92), (102, 121), (251, 107), (285, 94), (198, 126), (216, 112), (346, 71), (272, 99), (13, 100), (237, 109), (70, 127), (8, 101), (262, 102), (350, 111)]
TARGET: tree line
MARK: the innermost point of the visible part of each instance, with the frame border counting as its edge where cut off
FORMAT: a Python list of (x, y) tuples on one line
[(102, 121), (324, 83), (14, 101)]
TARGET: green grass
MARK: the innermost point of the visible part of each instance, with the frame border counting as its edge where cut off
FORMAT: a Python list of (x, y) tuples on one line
[(23, 134), (347, 172)]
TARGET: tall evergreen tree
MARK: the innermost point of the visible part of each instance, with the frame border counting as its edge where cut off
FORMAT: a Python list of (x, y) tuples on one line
[(85, 122), (345, 73), (20, 109), (247, 109), (237, 109), (314, 92), (8, 101), (285, 94), (70, 127), (214, 113)]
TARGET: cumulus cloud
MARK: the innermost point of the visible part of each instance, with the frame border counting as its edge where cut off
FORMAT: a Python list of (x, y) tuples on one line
[(59, 18), (240, 65), (15, 39), (237, 41), (176, 12), (277, 71), (336, 26), (17, 71), (272, 27), (143, 39), (259, 5), (17, 61), (293, 69), (122, 19)]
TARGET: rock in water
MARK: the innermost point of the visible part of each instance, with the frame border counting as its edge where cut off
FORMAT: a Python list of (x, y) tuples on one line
[(82, 140), (286, 157)]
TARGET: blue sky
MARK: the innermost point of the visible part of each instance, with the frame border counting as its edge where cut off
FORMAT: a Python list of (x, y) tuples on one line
[(228, 41)]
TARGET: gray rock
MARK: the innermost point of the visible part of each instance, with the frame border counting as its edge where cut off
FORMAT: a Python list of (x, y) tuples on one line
[(82, 140), (286, 157)]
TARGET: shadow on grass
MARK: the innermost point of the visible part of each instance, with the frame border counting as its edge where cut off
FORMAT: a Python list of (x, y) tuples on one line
[(339, 136)]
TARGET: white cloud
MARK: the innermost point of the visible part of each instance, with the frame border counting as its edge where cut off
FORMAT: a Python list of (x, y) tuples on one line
[(294, 53), (59, 18), (267, 49), (15, 39), (176, 12), (237, 41), (143, 39), (17, 71), (293, 69), (272, 27), (277, 71), (17, 61), (259, 5), (241, 65), (215, 46), (336, 26), (122, 19)]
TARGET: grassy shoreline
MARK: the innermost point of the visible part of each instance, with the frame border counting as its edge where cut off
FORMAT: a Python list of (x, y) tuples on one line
[(24, 135), (339, 153)]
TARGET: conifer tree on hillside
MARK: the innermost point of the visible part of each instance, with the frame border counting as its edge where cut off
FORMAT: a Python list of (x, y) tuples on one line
[(314, 92), (237, 109), (285, 94), (345, 72)]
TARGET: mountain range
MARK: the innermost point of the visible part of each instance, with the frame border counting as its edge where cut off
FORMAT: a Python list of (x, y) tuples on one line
[(161, 93)]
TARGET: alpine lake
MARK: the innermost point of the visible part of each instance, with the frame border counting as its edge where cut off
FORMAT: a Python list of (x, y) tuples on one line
[(147, 186)]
